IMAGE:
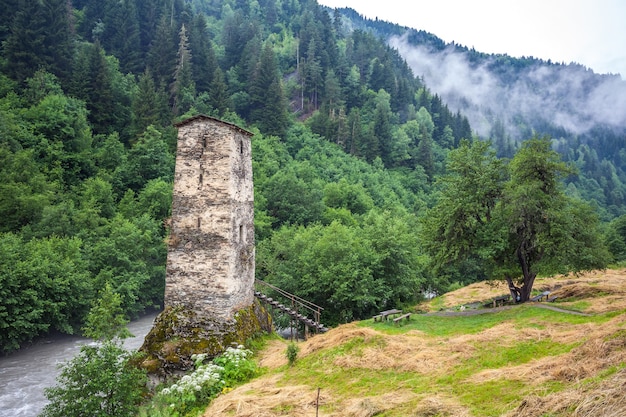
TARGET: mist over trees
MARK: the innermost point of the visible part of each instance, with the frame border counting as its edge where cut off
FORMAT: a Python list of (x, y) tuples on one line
[(507, 100), (348, 146)]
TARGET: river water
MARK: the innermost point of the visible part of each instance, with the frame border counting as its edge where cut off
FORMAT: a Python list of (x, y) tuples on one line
[(25, 374)]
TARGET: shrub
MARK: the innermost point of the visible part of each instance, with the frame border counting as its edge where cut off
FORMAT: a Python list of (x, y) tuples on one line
[(97, 382), (292, 353)]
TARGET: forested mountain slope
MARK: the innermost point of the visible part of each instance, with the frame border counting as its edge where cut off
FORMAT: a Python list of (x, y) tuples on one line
[(508, 99), (348, 146)]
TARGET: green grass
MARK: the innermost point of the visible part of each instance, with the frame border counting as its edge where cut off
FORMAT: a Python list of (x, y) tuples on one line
[(358, 382), (493, 397), (489, 398), (612, 370), (490, 356), (580, 305), (438, 302), (446, 326)]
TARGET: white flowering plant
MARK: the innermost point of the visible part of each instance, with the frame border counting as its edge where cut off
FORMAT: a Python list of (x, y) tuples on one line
[(237, 364), (195, 390)]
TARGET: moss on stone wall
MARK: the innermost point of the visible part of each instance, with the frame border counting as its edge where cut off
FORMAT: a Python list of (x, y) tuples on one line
[(179, 332)]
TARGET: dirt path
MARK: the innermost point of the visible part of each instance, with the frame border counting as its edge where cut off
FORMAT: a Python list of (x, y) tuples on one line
[(474, 312), (562, 310)]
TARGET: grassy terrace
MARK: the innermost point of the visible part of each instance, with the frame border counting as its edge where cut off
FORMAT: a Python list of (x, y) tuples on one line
[(518, 361)]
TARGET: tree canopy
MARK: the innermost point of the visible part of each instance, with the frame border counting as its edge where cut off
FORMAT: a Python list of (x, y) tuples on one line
[(516, 223)]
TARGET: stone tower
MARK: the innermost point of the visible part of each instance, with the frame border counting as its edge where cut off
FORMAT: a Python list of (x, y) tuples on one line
[(209, 282), (210, 260)]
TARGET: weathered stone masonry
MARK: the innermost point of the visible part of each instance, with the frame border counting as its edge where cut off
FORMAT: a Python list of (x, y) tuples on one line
[(210, 263), (209, 283)]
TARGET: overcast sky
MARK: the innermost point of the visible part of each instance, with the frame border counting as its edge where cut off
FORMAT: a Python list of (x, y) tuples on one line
[(590, 32)]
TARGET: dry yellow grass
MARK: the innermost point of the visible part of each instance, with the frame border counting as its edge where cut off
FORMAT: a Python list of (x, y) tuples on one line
[(440, 406), (604, 399), (473, 293), (604, 291), (268, 397), (273, 356), (600, 350), (406, 353), (265, 396)]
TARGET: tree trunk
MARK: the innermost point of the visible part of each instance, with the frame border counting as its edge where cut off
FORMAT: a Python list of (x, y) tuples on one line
[(515, 291), (528, 276), (527, 286)]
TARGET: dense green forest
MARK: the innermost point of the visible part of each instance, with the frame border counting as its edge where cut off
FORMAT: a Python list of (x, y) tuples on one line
[(347, 150)]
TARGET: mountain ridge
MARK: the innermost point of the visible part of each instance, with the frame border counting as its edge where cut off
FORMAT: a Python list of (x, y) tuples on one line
[(508, 100), (436, 62)]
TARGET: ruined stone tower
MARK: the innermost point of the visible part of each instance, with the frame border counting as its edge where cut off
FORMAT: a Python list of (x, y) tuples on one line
[(210, 261)]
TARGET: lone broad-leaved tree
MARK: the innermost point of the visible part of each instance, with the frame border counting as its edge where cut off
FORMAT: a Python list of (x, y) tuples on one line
[(514, 220)]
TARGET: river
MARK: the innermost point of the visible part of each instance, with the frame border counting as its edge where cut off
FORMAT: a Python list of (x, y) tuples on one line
[(25, 374)]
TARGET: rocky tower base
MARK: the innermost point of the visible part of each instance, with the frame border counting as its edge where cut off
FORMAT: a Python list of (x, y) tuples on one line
[(179, 333)]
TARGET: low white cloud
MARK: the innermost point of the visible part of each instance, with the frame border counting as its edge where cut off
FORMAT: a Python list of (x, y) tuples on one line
[(568, 96)]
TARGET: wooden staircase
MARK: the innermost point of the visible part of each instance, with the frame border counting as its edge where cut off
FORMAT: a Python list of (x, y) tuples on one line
[(297, 308)]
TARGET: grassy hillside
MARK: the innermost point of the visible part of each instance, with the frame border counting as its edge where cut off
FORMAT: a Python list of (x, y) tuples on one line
[(565, 358)]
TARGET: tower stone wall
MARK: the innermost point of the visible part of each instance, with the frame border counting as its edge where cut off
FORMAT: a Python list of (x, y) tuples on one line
[(210, 261)]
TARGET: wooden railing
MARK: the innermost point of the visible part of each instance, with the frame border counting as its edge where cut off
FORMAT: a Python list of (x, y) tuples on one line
[(296, 307)]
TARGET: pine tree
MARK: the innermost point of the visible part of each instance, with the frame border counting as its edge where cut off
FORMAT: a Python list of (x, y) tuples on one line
[(354, 146), (100, 97), (267, 99), (41, 38), (311, 74), (343, 130), (121, 36), (150, 13), (381, 76), (249, 60), (332, 94), (271, 14), (203, 58), (337, 21), (59, 45), (183, 87), (8, 8), (23, 45), (353, 90), (276, 122), (382, 129), (462, 129), (91, 25), (97, 81), (236, 34), (162, 55), (424, 153), (146, 105), (219, 98)]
